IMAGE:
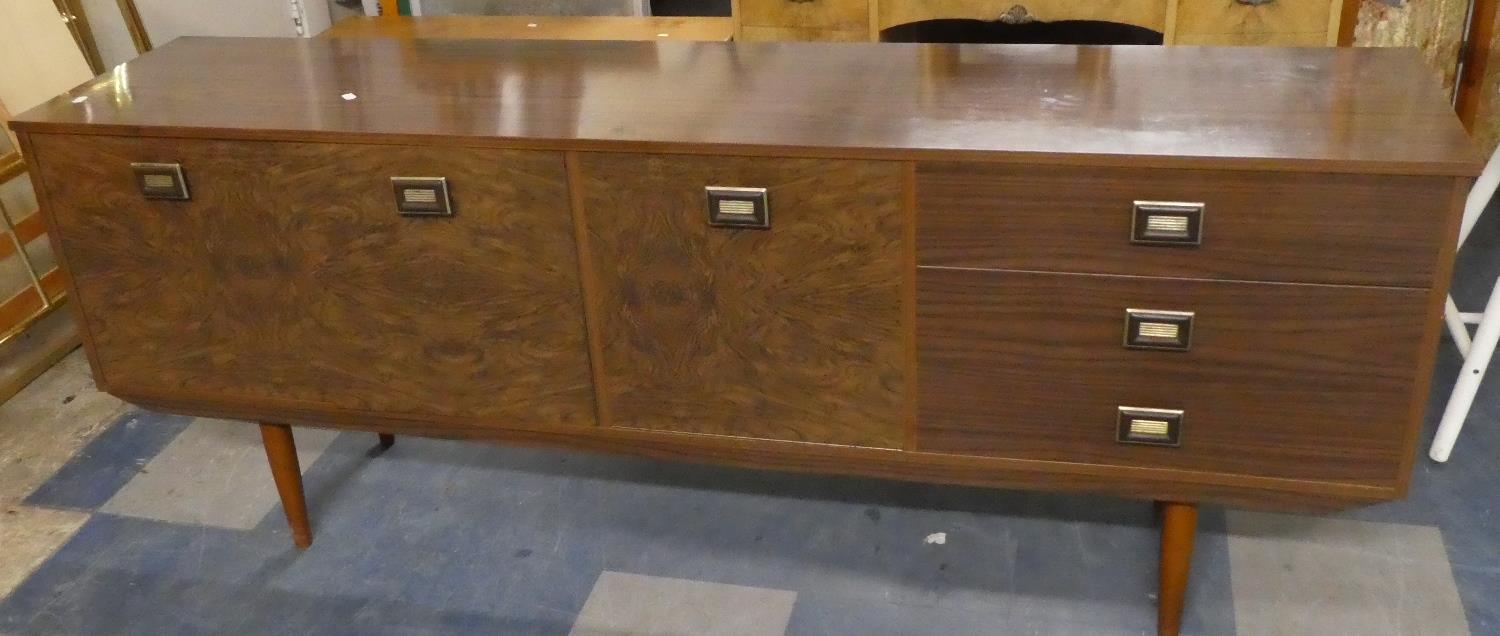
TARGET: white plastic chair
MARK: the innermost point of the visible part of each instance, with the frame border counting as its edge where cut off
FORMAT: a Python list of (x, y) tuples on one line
[(1478, 351)]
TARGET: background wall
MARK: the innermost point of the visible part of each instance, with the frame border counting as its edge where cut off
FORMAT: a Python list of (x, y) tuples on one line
[(1435, 27), (40, 57), (167, 20)]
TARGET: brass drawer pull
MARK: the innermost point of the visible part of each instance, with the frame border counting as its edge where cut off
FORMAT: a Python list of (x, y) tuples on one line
[(1158, 329), (161, 181), (1153, 427), (1166, 223), (422, 196), (738, 207)]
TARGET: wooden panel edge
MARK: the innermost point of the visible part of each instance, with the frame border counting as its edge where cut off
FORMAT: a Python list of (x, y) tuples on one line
[(1437, 296), (1335, 19), (734, 13), (1470, 87), (909, 302), (1467, 168), (11, 166), (44, 206), (589, 283), (1169, 32), (1348, 19)]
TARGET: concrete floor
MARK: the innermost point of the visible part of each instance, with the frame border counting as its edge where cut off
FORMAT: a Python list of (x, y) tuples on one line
[(115, 520)]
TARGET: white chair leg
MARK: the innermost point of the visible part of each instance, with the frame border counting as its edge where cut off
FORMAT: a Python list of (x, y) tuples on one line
[(1475, 364), (1456, 327)]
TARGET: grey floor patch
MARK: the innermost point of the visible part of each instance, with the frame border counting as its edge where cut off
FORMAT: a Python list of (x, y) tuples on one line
[(1297, 574), (213, 474), (634, 605), (30, 535), (47, 422)]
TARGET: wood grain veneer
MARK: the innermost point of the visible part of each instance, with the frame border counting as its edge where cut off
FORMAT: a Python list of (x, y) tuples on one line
[(580, 261), (1293, 381), (289, 274), (940, 296), (790, 333), (1346, 110), (1300, 227)]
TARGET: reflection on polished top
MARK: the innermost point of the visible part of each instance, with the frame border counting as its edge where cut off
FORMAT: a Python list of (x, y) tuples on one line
[(1367, 110)]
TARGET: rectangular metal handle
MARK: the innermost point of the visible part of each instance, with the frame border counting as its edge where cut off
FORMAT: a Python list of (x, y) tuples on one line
[(422, 196), (1158, 329), (161, 181), (1153, 427), (738, 207), (1167, 223)]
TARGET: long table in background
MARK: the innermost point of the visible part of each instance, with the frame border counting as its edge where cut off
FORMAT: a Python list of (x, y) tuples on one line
[(707, 29)]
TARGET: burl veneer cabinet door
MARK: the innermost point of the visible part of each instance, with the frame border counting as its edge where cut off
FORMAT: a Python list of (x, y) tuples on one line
[(289, 278), (792, 332)]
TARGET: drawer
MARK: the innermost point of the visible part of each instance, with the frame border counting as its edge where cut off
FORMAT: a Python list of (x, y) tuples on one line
[(1283, 38), (1227, 21), (289, 276), (1151, 14), (1292, 381), (846, 15), (791, 332), (796, 34), (1294, 227)]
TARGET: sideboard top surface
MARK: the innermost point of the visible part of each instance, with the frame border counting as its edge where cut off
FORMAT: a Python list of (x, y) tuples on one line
[(1354, 110)]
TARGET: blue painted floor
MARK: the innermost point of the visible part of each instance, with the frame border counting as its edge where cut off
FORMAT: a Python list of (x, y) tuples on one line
[(437, 537)]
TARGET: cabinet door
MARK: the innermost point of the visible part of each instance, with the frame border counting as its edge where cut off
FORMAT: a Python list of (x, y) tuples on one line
[(794, 332), (288, 278)]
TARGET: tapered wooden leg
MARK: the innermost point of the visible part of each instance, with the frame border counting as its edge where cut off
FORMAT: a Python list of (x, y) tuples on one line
[(281, 450), (1179, 524), (387, 440)]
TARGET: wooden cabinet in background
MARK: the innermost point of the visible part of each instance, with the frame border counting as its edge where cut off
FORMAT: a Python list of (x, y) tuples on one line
[(1189, 22)]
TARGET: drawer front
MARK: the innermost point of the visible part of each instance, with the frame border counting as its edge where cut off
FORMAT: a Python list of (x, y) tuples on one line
[(791, 332), (1151, 14), (1283, 38), (1293, 227), (826, 14), (1292, 381), (1235, 22), (290, 275), (797, 34)]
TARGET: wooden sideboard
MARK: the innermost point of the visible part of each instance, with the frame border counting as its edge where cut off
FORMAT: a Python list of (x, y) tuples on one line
[(1178, 274), (1196, 22)]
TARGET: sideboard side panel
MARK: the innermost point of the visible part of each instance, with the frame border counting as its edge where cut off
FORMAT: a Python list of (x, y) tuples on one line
[(290, 276), (790, 333)]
